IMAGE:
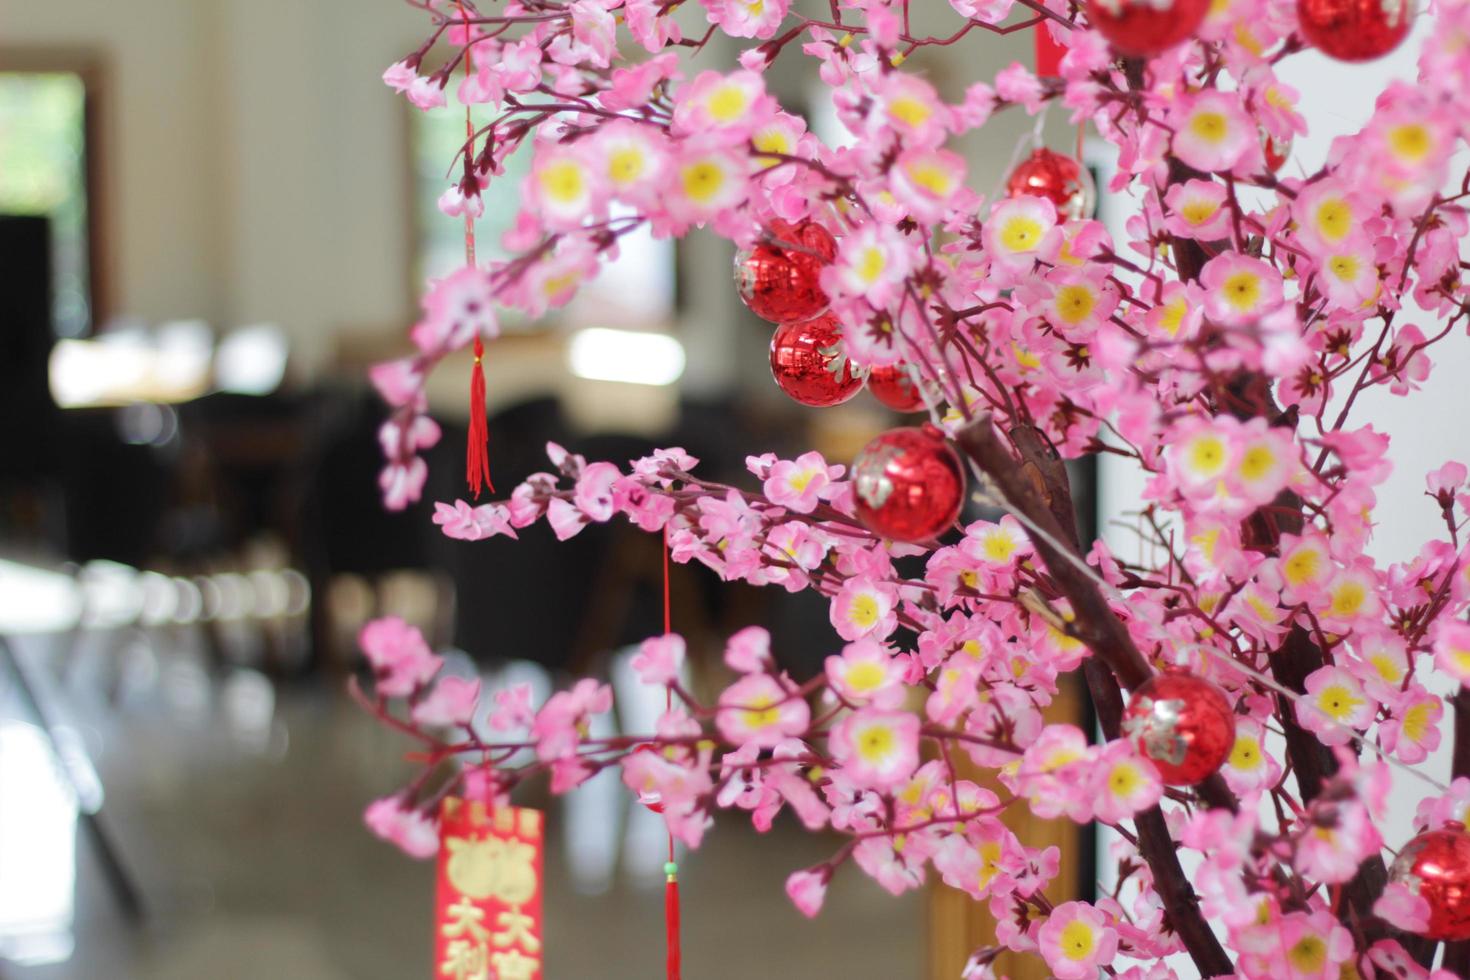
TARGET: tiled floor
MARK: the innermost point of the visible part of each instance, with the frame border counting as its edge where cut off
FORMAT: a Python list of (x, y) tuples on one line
[(255, 864)]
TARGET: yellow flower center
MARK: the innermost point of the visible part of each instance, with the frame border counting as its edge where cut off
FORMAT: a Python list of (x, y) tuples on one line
[(871, 265), (1344, 267), (1337, 702), (1077, 940), (727, 103), (1334, 219), (1243, 291), (1245, 755), (864, 612), (1257, 463), (1021, 233), (1198, 212), (909, 111), (1348, 598), (1074, 304), (1303, 566), (625, 166), (999, 547), (702, 180), (1209, 126), (1206, 455), (563, 181), (1410, 142), (1416, 722), (1309, 954), (865, 676), (1124, 780), (876, 743)]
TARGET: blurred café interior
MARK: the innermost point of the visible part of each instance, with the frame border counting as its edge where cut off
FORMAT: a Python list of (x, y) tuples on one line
[(214, 218)]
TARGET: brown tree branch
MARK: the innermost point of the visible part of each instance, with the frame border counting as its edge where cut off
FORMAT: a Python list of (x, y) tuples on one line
[(1039, 490)]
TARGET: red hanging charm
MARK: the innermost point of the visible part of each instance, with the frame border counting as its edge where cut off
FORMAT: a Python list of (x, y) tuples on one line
[(1182, 724), (1143, 28), (1056, 177), (894, 386), (908, 484), (809, 362), (477, 448), (1436, 867), (781, 284), (1276, 151), (1355, 30), (487, 915)]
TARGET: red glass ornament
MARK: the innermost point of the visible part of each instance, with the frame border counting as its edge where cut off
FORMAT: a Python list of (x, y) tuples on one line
[(894, 386), (1436, 866), (1182, 724), (908, 484), (1355, 30), (1276, 151), (1143, 28), (1056, 177), (809, 362), (781, 284)]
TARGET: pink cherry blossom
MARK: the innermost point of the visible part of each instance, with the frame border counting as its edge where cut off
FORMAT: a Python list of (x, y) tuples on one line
[(1076, 940), (759, 710), (401, 659), (877, 749), (411, 831), (660, 659), (451, 701)]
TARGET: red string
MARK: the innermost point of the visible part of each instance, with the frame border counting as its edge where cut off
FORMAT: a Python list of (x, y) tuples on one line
[(671, 884), (477, 446)]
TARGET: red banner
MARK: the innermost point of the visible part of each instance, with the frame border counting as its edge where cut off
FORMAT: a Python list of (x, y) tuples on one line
[(487, 914)]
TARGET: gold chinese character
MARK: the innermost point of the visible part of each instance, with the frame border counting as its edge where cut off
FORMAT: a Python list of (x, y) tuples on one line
[(515, 965), (464, 960), (466, 919), (530, 823), (492, 868), (516, 929)]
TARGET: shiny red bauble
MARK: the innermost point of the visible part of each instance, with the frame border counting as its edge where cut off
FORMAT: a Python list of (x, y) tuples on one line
[(1355, 30), (1056, 177), (809, 362), (778, 278), (908, 485), (1436, 867), (1182, 724), (894, 386), (1144, 28)]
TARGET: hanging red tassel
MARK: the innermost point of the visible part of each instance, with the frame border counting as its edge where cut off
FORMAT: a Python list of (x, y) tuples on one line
[(477, 451), (671, 917)]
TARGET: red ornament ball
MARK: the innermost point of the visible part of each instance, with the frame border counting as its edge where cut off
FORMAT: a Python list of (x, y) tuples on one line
[(1436, 867), (1182, 724), (908, 485), (1144, 28), (894, 386), (809, 362), (1355, 30), (781, 284), (1056, 177)]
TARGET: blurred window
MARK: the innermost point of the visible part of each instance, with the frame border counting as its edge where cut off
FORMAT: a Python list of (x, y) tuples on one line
[(43, 171)]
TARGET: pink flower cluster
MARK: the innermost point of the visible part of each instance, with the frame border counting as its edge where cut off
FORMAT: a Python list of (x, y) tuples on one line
[(1218, 344)]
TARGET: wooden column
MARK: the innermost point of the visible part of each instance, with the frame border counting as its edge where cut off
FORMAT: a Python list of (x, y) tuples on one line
[(957, 924)]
